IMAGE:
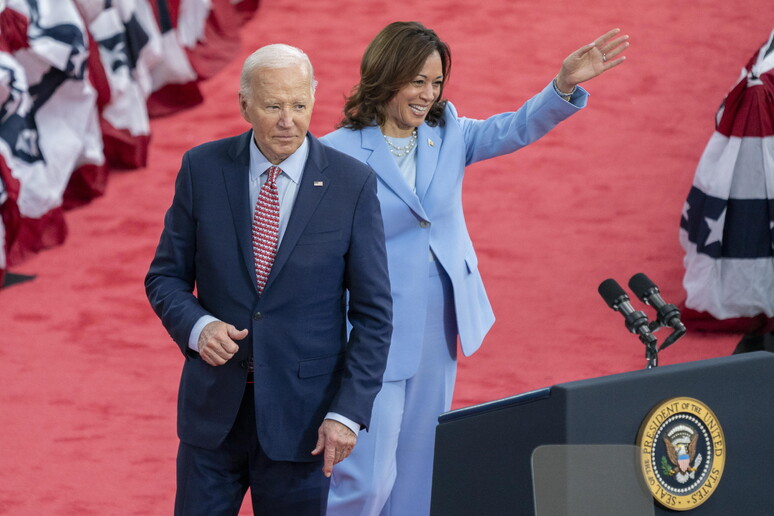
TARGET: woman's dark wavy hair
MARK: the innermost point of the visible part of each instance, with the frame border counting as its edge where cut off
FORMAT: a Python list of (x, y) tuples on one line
[(393, 59)]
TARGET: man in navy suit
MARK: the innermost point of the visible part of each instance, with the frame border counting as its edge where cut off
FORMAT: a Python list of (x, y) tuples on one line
[(274, 387)]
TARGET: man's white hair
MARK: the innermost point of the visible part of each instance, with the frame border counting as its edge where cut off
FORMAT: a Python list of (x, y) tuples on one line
[(277, 55)]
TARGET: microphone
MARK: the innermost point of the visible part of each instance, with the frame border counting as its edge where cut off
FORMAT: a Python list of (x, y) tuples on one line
[(648, 293), (616, 298)]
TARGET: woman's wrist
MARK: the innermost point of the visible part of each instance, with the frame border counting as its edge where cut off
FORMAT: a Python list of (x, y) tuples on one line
[(563, 88)]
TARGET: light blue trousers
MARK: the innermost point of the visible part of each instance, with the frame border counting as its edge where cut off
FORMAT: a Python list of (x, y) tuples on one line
[(390, 471)]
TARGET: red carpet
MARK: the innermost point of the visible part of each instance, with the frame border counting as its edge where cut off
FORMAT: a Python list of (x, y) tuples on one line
[(90, 377)]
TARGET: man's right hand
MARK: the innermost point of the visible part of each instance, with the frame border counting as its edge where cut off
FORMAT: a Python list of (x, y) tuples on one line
[(216, 342)]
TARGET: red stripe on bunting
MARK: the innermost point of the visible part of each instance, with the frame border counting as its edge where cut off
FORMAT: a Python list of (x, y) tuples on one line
[(749, 109)]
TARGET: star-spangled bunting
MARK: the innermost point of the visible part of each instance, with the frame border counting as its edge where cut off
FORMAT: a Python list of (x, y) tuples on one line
[(727, 223)]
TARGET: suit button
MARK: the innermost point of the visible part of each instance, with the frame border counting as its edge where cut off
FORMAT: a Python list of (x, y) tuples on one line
[(257, 316), (424, 224), (243, 364)]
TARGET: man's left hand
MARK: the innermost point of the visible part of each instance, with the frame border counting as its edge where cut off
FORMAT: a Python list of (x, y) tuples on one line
[(336, 441)]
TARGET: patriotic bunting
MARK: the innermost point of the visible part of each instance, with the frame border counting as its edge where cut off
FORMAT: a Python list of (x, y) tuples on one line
[(79, 80), (728, 218)]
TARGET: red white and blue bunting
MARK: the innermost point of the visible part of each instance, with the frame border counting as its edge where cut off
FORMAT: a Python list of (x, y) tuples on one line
[(728, 218)]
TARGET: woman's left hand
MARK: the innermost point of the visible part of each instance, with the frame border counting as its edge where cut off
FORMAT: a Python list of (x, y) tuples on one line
[(591, 60)]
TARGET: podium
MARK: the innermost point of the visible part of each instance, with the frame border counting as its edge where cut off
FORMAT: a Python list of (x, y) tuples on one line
[(483, 453)]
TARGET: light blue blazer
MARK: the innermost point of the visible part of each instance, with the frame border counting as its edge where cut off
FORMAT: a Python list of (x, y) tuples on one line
[(432, 218)]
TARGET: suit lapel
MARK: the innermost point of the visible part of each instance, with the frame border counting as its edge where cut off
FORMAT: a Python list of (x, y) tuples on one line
[(236, 176), (428, 148), (382, 162), (314, 184)]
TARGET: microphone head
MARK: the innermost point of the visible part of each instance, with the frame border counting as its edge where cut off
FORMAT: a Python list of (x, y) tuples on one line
[(612, 293), (642, 286)]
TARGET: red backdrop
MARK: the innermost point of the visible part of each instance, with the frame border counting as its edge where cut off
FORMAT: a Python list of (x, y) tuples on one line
[(90, 377)]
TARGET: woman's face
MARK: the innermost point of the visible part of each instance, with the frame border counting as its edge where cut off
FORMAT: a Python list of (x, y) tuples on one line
[(409, 107)]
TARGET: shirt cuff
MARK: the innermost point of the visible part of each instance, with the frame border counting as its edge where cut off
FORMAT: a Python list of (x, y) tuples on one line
[(344, 421), (196, 331)]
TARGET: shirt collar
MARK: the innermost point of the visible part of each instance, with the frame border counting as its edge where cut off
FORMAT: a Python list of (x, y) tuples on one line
[(292, 166)]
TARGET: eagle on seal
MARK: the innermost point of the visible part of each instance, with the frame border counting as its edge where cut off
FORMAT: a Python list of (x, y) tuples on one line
[(682, 455)]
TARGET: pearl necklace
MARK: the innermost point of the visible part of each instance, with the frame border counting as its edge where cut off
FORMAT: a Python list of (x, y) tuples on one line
[(401, 151)]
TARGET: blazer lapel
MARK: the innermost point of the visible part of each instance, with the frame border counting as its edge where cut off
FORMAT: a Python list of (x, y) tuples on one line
[(237, 177), (382, 162), (428, 148), (314, 184)]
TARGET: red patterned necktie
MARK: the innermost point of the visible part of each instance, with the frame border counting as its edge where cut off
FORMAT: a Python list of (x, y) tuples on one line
[(266, 227)]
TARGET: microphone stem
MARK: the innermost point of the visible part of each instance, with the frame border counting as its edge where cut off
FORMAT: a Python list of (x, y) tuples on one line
[(651, 350), (679, 332)]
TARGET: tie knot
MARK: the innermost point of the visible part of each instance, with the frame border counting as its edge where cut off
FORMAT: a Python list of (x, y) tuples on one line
[(273, 172)]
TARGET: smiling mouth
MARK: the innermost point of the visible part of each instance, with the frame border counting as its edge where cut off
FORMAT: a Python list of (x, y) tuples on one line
[(421, 110)]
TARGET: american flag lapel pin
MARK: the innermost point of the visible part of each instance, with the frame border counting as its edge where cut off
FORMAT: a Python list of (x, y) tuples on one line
[(318, 183), (430, 142)]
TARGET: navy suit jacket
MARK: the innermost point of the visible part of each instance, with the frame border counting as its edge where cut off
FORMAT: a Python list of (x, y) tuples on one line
[(305, 362)]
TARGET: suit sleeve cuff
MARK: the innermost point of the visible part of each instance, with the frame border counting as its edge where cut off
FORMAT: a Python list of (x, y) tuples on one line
[(344, 421), (196, 331)]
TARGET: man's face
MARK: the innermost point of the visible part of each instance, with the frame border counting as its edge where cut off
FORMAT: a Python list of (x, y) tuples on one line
[(279, 107)]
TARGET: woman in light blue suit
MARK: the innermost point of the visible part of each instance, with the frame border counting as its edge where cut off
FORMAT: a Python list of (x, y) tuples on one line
[(397, 122)]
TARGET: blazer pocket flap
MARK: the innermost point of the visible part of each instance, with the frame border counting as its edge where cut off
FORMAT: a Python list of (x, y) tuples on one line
[(320, 238), (319, 366)]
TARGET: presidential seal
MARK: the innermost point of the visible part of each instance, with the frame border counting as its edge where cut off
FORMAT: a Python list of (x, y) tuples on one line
[(682, 453)]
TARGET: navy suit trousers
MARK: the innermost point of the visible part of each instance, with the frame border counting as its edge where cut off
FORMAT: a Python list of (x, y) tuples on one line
[(214, 482)]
